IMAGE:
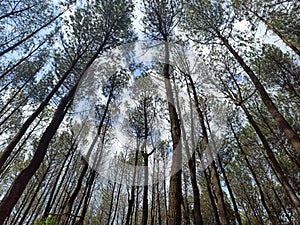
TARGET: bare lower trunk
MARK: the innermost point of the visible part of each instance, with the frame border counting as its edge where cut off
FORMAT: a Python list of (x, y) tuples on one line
[(175, 195)]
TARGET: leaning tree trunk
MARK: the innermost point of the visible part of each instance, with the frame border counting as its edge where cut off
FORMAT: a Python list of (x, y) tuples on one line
[(21, 181), (10, 48), (15, 140), (282, 123), (71, 200)]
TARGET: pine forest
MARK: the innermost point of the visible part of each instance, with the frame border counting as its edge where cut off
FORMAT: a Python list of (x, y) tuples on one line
[(149, 112)]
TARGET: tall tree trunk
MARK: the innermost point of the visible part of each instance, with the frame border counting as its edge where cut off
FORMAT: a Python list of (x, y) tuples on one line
[(21, 181), (13, 97), (282, 206), (17, 108), (235, 207), (14, 156), (89, 185), (58, 203), (17, 137), (175, 195), (145, 191), (136, 208), (237, 215), (282, 123), (197, 216), (56, 181), (111, 203), (132, 190), (185, 205), (117, 204), (146, 170), (211, 197), (279, 141), (7, 71), (117, 199), (215, 175), (33, 198), (71, 200), (258, 217)]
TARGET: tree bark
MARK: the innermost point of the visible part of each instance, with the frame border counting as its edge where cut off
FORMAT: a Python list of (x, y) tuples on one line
[(175, 195)]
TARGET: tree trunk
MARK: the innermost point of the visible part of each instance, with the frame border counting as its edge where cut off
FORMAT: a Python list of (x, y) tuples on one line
[(215, 175), (33, 198), (282, 123), (175, 195), (145, 191), (282, 206), (211, 197), (15, 140), (237, 215), (235, 207), (197, 216), (292, 158), (89, 185), (21, 61), (68, 210), (55, 183), (13, 97), (14, 156), (111, 203), (21, 181), (132, 193)]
